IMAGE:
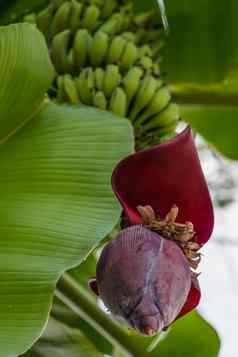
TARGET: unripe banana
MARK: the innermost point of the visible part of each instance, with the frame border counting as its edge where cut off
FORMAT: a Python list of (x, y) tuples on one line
[(60, 20), (146, 63), (113, 25), (99, 78), (145, 51), (156, 70), (82, 45), (165, 120), (43, 19), (108, 8), (76, 11), (144, 95), (118, 102), (30, 19), (99, 48), (116, 49), (85, 85), (129, 56), (99, 3), (100, 101), (90, 18), (129, 36), (112, 79), (159, 101), (71, 89), (61, 95), (131, 82), (57, 3), (59, 52)]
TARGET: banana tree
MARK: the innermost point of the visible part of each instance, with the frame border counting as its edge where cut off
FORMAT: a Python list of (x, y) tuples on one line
[(92, 93)]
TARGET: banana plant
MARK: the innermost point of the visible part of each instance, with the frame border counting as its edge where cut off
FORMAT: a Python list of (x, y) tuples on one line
[(83, 82)]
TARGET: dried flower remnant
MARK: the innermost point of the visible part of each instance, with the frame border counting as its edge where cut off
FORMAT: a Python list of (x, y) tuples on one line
[(182, 234), (146, 275)]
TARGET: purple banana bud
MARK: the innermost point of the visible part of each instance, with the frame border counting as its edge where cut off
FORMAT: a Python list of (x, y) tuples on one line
[(143, 278)]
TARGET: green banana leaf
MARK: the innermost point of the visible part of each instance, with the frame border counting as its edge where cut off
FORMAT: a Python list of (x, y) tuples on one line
[(219, 126), (201, 64), (203, 42), (56, 200), (189, 336), (60, 340), (26, 74)]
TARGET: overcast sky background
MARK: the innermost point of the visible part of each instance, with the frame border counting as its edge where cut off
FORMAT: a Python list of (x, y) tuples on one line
[(219, 266)]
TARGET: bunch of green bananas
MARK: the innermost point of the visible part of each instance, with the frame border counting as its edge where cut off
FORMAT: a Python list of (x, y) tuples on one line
[(110, 16), (98, 50), (137, 95), (108, 57)]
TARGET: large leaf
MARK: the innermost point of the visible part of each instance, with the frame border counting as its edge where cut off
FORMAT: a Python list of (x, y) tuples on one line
[(201, 63), (26, 73), (56, 202), (56, 199), (203, 41), (217, 124), (189, 336), (60, 340)]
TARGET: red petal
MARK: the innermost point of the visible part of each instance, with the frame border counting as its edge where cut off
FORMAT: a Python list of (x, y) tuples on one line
[(192, 299), (167, 174)]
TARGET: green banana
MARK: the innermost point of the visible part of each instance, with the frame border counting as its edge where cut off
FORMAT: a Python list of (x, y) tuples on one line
[(43, 19), (129, 36), (59, 52), (99, 74), (145, 51), (113, 25), (112, 79), (116, 49), (108, 8), (129, 56), (60, 20), (70, 89), (30, 19), (146, 63), (75, 13), (99, 3), (57, 3), (165, 120), (144, 95), (61, 95), (90, 17), (131, 82), (118, 102), (85, 85), (99, 48), (100, 101), (81, 45), (159, 101)]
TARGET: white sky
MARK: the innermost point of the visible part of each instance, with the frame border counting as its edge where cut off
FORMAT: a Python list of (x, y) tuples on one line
[(219, 267)]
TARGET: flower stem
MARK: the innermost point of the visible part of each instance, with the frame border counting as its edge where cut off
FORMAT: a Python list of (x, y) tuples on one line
[(71, 293)]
